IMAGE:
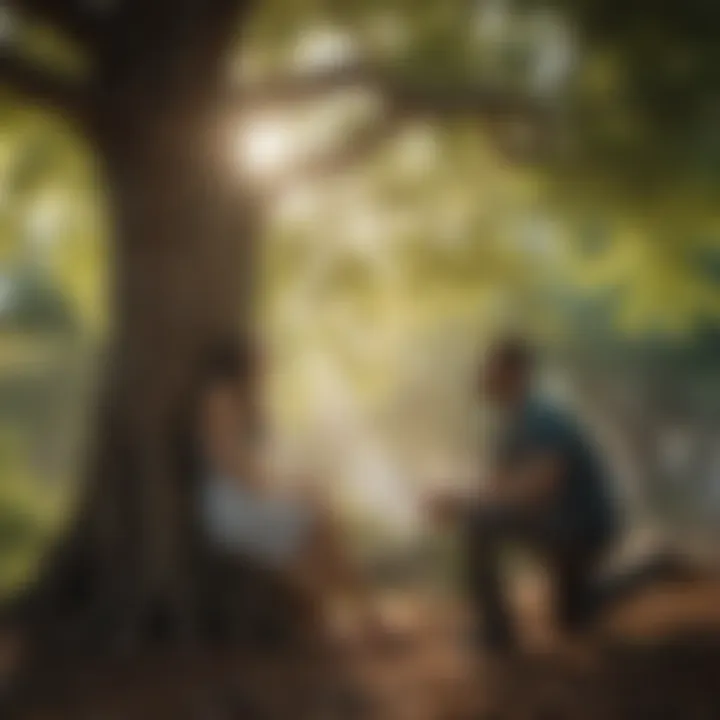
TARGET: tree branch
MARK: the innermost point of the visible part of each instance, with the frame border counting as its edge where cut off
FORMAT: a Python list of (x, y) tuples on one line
[(66, 16), (281, 91), (41, 87), (407, 97), (359, 146), (445, 102)]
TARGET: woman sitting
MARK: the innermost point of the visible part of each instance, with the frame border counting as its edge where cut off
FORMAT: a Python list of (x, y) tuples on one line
[(280, 542)]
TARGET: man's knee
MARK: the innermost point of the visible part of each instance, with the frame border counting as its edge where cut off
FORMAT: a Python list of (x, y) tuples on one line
[(492, 524), (484, 536), (487, 521)]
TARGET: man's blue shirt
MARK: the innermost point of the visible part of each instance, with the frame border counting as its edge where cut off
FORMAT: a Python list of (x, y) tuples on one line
[(583, 506)]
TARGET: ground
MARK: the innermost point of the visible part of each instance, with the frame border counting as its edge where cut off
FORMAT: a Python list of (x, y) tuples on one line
[(657, 658)]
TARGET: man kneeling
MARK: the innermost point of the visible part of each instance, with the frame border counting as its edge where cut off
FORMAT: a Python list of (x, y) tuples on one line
[(547, 491)]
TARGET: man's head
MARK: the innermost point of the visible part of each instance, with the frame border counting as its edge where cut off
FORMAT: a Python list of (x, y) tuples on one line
[(507, 372)]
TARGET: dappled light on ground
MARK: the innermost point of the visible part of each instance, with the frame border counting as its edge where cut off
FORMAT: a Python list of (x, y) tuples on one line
[(657, 658)]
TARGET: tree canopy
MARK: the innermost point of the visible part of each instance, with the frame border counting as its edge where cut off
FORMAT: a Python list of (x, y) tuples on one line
[(417, 164)]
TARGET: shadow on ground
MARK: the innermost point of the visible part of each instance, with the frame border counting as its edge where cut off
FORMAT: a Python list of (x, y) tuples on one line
[(670, 678), (658, 659)]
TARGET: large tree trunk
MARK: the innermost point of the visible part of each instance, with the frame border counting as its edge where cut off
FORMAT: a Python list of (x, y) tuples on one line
[(184, 269), (183, 266), (183, 241), (133, 566)]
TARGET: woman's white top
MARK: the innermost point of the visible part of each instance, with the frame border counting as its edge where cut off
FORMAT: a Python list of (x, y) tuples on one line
[(272, 531)]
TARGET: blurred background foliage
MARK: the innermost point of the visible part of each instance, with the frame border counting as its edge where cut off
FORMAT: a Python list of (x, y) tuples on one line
[(595, 230)]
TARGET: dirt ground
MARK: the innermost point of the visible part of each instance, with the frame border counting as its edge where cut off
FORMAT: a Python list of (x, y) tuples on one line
[(657, 658)]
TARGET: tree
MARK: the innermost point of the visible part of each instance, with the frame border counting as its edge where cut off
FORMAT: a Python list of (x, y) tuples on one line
[(150, 92), (149, 88)]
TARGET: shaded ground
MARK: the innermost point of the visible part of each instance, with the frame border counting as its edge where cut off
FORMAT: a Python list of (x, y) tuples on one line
[(658, 658)]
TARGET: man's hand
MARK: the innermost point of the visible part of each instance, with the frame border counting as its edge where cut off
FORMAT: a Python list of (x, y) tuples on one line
[(533, 483), (448, 506)]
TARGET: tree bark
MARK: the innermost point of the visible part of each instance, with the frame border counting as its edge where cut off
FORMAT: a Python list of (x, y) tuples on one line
[(183, 253), (184, 271), (183, 259), (183, 240)]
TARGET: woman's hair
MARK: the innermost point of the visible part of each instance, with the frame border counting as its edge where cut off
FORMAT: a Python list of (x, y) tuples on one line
[(233, 359)]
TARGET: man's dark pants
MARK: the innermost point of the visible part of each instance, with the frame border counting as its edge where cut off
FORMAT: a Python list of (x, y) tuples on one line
[(570, 557)]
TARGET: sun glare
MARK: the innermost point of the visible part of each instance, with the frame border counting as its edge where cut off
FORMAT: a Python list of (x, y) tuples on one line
[(266, 148), (324, 47)]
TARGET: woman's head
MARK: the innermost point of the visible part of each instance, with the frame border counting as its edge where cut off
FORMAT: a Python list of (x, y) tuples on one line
[(227, 387), (231, 364)]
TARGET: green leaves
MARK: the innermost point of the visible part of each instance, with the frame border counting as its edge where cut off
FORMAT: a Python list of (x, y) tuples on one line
[(50, 222)]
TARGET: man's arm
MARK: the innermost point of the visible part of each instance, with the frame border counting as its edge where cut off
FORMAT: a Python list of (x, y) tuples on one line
[(532, 482)]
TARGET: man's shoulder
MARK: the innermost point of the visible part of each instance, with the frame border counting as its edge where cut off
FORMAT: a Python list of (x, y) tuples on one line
[(541, 408), (545, 417)]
